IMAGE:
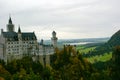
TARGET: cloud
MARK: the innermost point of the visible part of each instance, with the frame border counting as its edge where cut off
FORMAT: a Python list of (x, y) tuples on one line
[(70, 18)]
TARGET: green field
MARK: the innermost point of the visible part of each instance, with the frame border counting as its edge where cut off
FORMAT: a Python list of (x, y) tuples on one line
[(101, 58), (83, 49), (105, 57)]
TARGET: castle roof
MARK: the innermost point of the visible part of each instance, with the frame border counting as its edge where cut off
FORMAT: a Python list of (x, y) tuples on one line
[(19, 30), (10, 20), (53, 32), (13, 36)]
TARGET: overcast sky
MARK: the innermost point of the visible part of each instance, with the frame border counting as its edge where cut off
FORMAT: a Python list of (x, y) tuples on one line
[(69, 18)]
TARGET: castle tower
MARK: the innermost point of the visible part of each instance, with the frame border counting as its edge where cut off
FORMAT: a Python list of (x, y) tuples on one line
[(20, 40), (19, 30), (54, 39), (19, 34), (10, 26)]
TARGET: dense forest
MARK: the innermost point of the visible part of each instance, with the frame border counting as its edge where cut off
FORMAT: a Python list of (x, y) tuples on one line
[(66, 64)]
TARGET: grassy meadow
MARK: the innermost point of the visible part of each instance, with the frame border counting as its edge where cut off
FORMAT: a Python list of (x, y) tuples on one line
[(85, 49)]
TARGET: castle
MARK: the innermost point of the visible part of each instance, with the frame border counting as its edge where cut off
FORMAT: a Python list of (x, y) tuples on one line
[(15, 45)]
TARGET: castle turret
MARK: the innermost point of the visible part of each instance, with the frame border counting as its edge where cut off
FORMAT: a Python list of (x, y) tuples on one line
[(19, 30), (41, 43), (19, 34), (10, 26), (20, 40), (54, 39), (1, 31)]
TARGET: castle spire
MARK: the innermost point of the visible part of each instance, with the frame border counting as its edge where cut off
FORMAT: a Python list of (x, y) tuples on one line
[(19, 30), (10, 20), (10, 26)]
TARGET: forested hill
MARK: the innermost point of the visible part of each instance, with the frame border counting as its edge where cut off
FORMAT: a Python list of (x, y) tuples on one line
[(108, 46), (112, 42), (115, 39)]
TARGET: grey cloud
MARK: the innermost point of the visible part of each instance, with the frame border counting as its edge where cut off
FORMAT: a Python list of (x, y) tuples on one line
[(89, 17)]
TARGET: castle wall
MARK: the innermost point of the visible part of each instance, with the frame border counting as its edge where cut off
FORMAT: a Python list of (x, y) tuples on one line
[(41, 59), (1, 51), (2, 47)]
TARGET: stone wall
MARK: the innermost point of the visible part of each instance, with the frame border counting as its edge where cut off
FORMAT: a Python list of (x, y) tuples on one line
[(1, 51)]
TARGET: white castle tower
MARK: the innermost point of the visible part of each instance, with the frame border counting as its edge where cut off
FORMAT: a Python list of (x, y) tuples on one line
[(54, 39)]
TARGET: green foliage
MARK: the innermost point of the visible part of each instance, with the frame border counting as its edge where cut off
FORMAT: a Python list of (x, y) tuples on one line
[(68, 65), (100, 58), (27, 63), (4, 73), (83, 49), (2, 62), (116, 55), (115, 39), (100, 76), (115, 67), (62, 58), (22, 75), (46, 73), (25, 69)]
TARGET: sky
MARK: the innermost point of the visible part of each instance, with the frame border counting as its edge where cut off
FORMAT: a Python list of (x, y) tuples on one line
[(71, 19)]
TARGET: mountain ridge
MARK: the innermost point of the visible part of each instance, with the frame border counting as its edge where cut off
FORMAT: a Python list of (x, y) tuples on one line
[(115, 39)]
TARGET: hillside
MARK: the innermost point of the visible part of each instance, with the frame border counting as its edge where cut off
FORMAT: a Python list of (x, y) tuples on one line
[(106, 47), (112, 42), (115, 39)]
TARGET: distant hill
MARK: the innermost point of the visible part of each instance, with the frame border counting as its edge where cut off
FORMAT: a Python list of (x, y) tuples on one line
[(92, 40), (108, 46), (112, 42), (115, 39)]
